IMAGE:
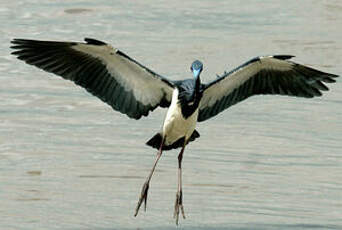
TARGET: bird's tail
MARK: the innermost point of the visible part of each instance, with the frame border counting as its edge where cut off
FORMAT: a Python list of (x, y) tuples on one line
[(156, 140)]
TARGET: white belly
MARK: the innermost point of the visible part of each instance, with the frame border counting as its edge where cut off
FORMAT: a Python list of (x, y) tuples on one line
[(175, 126)]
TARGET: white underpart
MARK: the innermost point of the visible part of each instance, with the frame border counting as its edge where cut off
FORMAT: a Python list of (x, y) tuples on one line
[(175, 126)]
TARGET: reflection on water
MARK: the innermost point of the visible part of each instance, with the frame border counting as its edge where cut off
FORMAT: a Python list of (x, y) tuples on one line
[(77, 11), (110, 176), (67, 161), (34, 173)]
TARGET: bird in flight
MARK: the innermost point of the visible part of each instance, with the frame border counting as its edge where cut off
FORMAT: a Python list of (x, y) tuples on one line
[(135, 90)]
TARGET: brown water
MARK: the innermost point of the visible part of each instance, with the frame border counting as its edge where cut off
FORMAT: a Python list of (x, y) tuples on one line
[(67, 161)]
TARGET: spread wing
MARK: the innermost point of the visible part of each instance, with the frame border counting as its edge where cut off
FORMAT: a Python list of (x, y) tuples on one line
[(106, 72), (262, 75)]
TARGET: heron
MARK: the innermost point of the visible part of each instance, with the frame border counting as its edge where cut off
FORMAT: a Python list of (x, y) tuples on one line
[(135, 90)]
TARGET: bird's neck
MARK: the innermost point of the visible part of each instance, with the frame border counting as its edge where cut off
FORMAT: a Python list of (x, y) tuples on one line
[(190, 101), (197, 85)]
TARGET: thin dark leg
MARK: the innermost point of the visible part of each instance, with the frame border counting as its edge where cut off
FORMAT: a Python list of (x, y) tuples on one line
[(144, 190), (179, 194)]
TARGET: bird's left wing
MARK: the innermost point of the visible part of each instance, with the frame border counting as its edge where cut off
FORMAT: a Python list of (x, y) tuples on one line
[(262, 75), (106, 72)]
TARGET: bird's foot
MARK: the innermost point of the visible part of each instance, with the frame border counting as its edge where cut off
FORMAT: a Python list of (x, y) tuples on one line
[(178, 205), (143, 197)]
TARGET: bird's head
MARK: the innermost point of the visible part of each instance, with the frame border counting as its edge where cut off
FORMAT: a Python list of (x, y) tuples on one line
[(196, 68)]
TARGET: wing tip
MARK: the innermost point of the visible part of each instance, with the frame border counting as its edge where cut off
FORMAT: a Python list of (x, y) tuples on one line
[(92, 41), (20, 41), (283, 56), (332, 75), (286, 57)]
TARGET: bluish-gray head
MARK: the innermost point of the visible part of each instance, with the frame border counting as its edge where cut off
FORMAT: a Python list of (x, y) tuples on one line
[(196, 68)]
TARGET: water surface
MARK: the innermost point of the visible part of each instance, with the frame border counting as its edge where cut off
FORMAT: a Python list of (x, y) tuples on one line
[(67, 161)]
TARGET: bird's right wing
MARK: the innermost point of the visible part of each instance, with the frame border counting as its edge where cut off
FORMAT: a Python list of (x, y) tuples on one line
[(262, 75), (102, 70)]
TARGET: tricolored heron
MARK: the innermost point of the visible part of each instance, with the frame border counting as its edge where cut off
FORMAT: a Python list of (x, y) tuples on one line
[(133, 89)]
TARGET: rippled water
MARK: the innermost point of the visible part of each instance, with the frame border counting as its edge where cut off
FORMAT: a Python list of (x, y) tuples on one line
[(67, 161)]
